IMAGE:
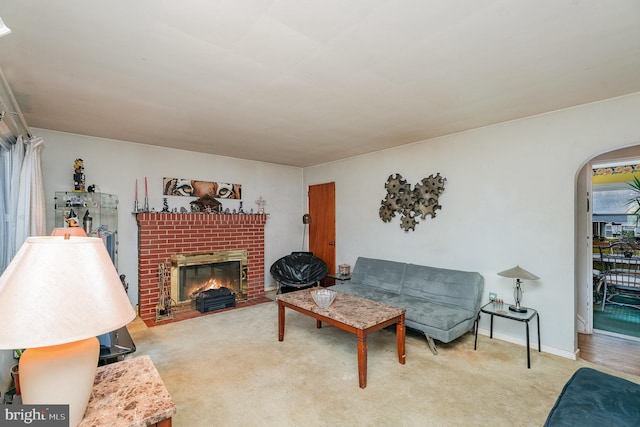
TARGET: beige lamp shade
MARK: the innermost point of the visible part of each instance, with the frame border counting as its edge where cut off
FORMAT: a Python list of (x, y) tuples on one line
[(518, 272), (57, 290)]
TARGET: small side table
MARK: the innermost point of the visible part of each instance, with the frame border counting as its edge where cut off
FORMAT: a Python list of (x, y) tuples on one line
[(338, 276), (129, 394), (502, 310)]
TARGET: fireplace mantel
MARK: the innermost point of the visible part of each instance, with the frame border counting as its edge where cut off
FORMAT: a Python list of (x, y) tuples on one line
[(161, 235)]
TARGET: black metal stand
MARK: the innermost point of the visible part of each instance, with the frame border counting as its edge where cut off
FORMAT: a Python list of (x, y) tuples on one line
[(206, 304)]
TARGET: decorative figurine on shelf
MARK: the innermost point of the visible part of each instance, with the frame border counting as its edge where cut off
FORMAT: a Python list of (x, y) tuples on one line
[(78, 175), (91, 188), (206, 204), (261, 202), (165, 205), (71, 219)]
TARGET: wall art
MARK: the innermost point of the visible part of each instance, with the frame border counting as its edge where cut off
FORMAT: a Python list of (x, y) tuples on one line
[(411, 203), (194, 188)]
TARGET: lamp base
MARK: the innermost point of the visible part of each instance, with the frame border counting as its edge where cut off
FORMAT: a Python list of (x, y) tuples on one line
[(517, 309), (60, 374)]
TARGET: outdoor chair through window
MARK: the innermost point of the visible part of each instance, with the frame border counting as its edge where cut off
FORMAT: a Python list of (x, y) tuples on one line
[(621, 273)]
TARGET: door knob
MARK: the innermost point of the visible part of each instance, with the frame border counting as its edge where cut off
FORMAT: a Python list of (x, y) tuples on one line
[(332, 243)]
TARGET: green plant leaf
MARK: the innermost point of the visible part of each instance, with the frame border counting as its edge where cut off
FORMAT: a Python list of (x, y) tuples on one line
[(635, 201)]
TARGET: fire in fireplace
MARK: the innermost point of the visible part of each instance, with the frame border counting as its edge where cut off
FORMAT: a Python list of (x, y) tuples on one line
[(193, 274)]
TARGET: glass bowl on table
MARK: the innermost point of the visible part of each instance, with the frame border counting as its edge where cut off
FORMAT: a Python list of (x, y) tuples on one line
[(323, 297)]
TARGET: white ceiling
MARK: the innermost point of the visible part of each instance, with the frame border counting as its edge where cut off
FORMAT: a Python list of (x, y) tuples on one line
[(304, 82)]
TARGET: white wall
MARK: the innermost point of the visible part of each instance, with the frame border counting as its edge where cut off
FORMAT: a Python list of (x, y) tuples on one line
[(115, 165), (509, 200)]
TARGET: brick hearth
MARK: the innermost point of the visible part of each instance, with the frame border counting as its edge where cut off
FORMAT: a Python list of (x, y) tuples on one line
[(161, 235)]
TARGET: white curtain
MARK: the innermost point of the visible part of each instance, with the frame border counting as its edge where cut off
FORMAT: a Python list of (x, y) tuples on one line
[(22, 201), (30, 219)]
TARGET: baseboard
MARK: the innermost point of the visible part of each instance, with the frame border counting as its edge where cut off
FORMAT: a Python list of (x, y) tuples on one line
[(533, 345)]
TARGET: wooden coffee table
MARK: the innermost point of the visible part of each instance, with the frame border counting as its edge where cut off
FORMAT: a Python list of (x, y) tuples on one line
[(354, 314)]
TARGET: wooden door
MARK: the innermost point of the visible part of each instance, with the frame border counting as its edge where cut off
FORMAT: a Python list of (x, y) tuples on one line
[(322, 230)]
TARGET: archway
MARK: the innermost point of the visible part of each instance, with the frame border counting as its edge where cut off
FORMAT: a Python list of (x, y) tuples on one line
[(584, 231)]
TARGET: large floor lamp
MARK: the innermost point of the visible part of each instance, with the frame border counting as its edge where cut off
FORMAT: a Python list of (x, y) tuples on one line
[(56, 296)]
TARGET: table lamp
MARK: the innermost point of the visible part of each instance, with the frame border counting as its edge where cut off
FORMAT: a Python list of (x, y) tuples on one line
[(71, 231), (57, 294), (518, 273)]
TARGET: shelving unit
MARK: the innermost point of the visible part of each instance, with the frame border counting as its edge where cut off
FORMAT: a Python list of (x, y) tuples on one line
[(102, 208)]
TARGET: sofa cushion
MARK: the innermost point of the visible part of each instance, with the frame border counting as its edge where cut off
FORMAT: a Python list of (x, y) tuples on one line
[(439, 316), (379, 274), (594, 398), (449, 287)]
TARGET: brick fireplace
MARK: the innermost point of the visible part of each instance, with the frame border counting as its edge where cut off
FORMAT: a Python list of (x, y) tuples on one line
[(161, 235)]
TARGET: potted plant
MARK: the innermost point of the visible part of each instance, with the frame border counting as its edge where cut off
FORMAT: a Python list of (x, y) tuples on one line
[(635, 201)]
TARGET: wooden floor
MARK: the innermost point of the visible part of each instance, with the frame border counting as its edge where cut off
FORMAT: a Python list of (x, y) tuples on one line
[(609, 351)]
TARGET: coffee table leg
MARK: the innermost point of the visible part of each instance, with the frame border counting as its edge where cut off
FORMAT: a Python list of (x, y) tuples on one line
[(400, 337), (280, 322), (362, 358)]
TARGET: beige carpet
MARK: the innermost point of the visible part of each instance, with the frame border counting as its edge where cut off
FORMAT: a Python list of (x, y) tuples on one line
[(229, 369)]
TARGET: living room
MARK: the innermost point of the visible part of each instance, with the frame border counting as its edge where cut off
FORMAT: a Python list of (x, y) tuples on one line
[(513, 197), (495, 205)]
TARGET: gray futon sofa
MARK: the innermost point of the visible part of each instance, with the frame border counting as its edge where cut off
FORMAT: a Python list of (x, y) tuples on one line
[(443, 304)]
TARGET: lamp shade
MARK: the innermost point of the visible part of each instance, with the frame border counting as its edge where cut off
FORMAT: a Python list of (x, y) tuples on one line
[(72, 231), (60, 289), (518, 272)]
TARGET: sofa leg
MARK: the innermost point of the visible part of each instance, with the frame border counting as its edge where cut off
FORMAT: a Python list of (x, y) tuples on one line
[(432, 345)]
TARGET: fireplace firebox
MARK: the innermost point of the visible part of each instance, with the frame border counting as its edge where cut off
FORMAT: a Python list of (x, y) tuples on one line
[(194, 274)]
